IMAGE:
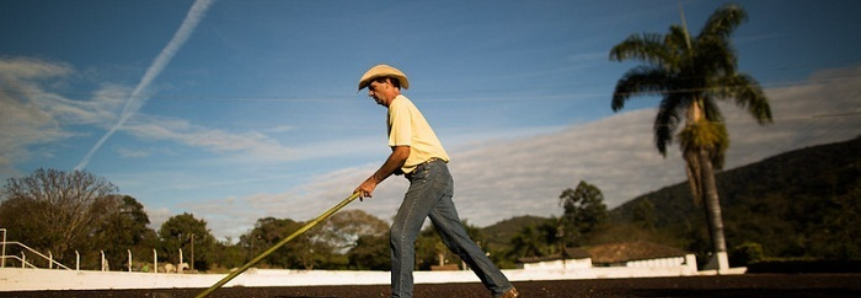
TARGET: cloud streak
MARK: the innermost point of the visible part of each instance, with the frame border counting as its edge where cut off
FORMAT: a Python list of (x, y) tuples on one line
[(137, 98)]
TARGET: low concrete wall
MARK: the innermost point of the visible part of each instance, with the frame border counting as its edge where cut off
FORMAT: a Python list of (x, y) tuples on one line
[(17, 279)]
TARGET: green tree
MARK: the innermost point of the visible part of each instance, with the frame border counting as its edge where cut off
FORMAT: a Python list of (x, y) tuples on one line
[(302, 252), (340, 233), (191, 235), (55, 211), (529, 242), (691, 74), (584, 211), (343, 229), (229, 255), (371, 253), (431, 250), (644, 214), (365, 237), (835, 234), (266, 232), (124, 228)]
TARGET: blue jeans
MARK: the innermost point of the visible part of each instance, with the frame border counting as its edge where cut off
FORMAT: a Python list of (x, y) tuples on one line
[(429, 195)]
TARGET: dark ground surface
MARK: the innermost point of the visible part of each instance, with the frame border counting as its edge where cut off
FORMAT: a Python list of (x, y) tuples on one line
[(735, 286)]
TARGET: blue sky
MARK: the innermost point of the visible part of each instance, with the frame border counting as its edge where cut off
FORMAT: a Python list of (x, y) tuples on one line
[(236, 110)]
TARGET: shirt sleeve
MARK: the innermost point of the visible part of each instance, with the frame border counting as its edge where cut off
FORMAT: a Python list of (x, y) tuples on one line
[(400, 126)]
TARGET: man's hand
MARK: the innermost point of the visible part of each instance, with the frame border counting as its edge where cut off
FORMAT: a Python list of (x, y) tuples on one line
[(395, 161), (366, 189)]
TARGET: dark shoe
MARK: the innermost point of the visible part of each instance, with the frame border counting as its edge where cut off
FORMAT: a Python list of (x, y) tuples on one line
[(510, 294)]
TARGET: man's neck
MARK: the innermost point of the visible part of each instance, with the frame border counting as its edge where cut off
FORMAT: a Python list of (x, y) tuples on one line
[(393, 100)]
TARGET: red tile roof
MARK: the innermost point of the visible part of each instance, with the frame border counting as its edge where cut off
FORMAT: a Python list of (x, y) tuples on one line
[(631, 251)]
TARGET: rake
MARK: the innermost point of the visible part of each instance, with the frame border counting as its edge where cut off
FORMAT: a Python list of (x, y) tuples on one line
[(278, 245)]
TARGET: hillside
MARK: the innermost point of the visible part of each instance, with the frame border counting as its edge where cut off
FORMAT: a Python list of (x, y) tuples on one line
[(803, 203), (499, 235)]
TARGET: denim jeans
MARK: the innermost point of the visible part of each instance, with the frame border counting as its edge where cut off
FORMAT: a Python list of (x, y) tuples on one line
[(429, 195)]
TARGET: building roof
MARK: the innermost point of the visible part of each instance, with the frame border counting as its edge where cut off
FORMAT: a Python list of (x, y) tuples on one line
[(570, 253), (632, 251)]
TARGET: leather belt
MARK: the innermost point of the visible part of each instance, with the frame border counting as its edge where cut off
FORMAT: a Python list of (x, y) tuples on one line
[(432, 159)]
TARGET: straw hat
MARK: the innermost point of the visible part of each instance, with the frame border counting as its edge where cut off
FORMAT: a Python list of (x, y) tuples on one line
[(383, 70)]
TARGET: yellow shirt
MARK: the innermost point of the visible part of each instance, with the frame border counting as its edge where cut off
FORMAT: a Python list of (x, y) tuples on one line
[(408, 127)]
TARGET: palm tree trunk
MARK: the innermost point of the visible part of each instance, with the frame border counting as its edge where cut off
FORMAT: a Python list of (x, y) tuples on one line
[(693, 170), (701, 178), (691, 154), (713, 210)]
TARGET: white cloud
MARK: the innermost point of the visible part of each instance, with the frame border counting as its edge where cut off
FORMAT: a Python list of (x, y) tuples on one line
[(824, 109), (16, 72), (281, 129), (132, 153), (157, 217), (34, 115), (184, 132), (526, 175)]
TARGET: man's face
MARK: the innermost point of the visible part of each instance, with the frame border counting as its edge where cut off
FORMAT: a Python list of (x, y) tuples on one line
[(382, 92)]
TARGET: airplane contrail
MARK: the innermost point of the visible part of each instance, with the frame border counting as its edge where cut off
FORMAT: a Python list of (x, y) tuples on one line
[(135, 101)]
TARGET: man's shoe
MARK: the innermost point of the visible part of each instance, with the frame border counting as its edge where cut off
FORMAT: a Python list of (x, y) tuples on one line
[(510, 294)]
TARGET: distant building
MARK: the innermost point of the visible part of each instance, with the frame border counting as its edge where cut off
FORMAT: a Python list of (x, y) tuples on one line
[(572, 258), (637, 254)]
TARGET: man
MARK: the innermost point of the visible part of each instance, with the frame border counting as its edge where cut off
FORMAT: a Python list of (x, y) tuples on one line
[(418, 154)]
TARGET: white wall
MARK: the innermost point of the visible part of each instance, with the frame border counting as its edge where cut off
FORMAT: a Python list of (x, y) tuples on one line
[(658, 262), (17, 279), (560, 264)]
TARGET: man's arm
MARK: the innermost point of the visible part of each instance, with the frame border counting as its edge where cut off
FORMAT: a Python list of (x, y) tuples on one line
[(395, 161)]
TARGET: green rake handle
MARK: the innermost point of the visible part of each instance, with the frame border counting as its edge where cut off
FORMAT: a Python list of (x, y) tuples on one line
[(278, 245)]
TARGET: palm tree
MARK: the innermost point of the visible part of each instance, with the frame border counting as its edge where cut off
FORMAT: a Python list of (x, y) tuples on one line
[(691, 75)]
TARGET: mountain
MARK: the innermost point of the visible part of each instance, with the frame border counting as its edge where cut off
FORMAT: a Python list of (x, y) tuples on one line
[(499, 235), (804, 203)]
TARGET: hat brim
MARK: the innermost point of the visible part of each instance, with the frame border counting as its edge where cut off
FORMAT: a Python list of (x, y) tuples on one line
[(404, 82), (383, 71)]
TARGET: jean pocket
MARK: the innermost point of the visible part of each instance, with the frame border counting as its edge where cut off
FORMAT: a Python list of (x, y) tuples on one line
[(420, 173)]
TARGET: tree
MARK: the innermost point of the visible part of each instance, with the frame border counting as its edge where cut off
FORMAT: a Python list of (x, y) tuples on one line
[(124, 228), (55, 211), (341, 233), (644, 214), (302, 251), (584, 211), (229, 255), (371, 253), (343, 229), (191, 235), (431, 250), (529, 242), (690, 75)]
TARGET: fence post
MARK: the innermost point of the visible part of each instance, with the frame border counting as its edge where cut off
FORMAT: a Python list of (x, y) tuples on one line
[(130, 259), (154, 261), (179, 266), (3, 260), (103, 260), (50, 260), (77, 261)]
